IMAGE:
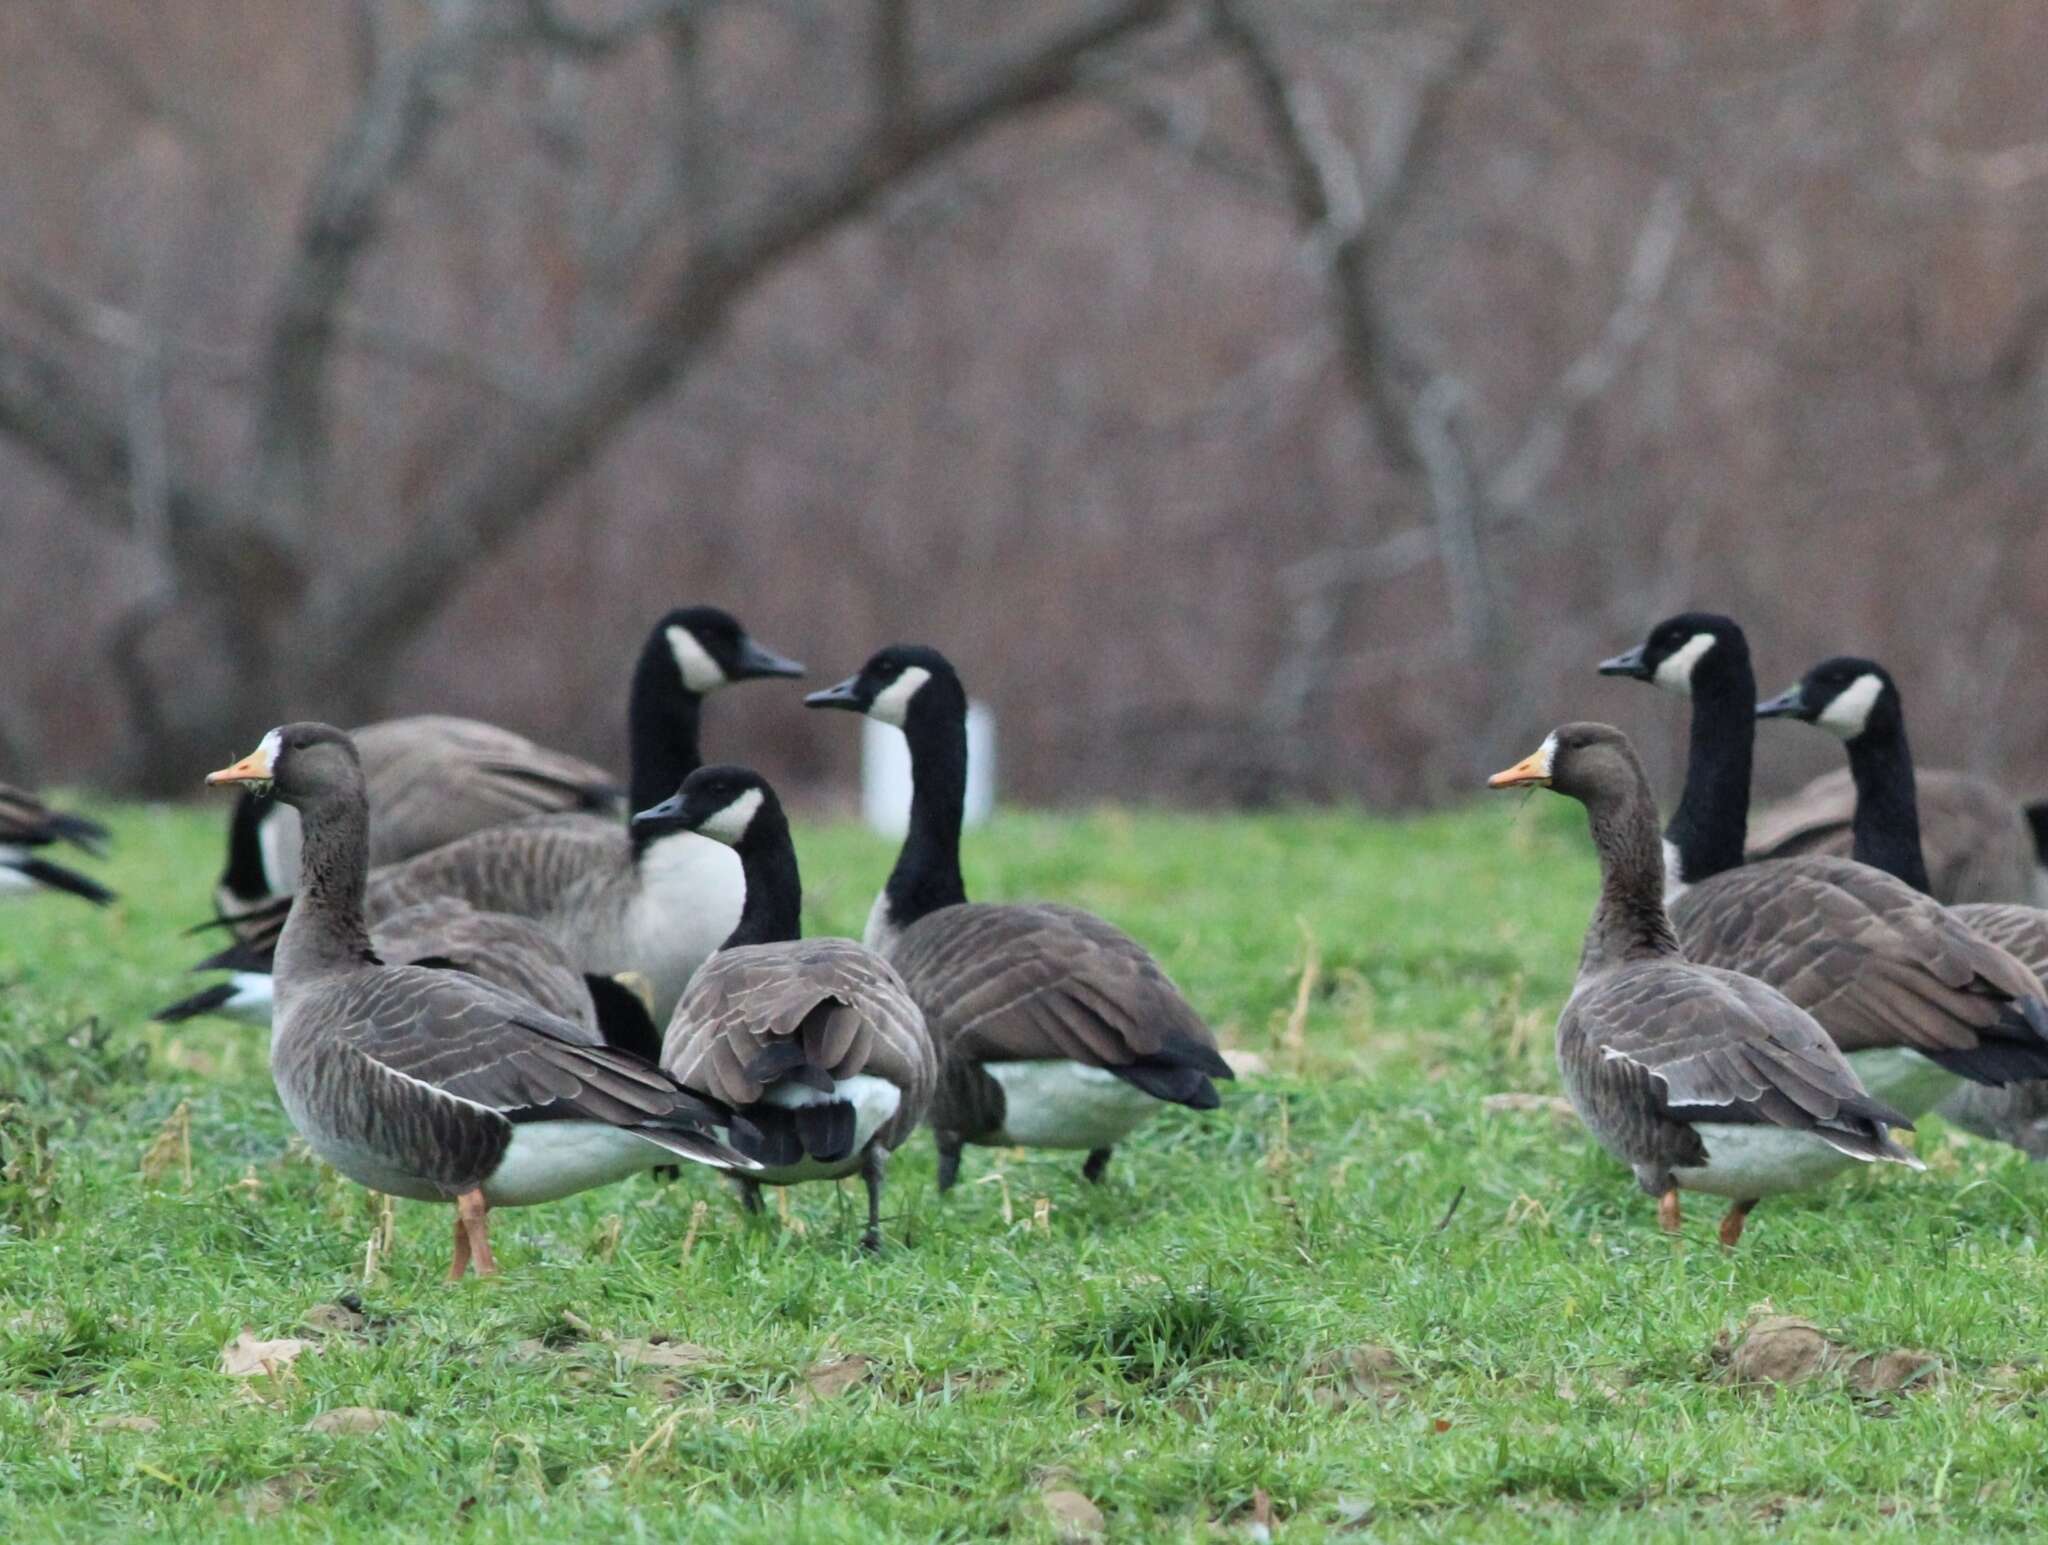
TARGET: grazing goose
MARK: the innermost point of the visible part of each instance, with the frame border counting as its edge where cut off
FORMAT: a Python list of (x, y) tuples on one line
[(1697, 1078), (26, 823), (814, 1042), (1858, 701), (614, 898), (1913, 996), (434, 1084), (1056, 1029), (432, 778)]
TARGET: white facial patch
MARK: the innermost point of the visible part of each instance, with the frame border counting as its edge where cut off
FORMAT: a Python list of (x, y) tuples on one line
[(1674, 672), (701, 673), (268, 747), (730, 824), (892, 703), (1547, 753), (1849, 714)]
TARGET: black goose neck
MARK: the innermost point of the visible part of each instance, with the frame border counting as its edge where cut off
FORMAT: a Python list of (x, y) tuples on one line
[(773, 910), (661, 728), (1885, 831), (927, 873), (1630, 922), (326, 927), (1711, 823)]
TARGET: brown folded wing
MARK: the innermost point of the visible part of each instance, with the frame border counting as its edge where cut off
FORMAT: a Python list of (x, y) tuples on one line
[(1021, 983), (1975, 837), (1874, 961)]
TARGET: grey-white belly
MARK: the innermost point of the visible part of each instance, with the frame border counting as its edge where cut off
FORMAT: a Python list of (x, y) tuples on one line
[(548, 1160), (1056, 1103), (1751, 1160)]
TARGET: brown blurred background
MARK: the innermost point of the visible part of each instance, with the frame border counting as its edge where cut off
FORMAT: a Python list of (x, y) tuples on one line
[(1258, 398)]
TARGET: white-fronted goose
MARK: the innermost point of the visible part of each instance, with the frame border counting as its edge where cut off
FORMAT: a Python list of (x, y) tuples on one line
[(1055, 1029), (432, 778), (615, 899), (1697, 1078), (814, 1043), (433, 1084), (26, 824), (1913, 996), (1858, 701)]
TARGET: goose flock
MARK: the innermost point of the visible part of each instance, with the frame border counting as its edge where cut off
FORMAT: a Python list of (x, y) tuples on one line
[(493, 977)]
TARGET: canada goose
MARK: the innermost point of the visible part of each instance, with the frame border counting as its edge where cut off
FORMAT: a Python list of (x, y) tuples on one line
[(26, 823), (1979, 842), (1911, 994), (434, 1084), (432, 778), (1056, 1029), (1697, 1078), (615, 899), (814, 1042), (1858, 701)]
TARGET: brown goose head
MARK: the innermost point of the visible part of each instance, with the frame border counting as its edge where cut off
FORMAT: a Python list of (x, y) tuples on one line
[(1593, 763), (302, 764)]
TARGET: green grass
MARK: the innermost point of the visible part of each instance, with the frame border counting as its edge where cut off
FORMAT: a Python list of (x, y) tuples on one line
[(1201, 1328)]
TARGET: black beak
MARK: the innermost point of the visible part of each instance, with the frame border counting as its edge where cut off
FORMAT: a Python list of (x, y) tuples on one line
[(669, 809), (1789, 704), (755, 661), (846, 695), (1630, 664)]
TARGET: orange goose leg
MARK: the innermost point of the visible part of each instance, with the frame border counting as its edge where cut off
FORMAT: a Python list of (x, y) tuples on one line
[(1732, 1221), (473, 1216), (461, 1262), (1667, 1211)]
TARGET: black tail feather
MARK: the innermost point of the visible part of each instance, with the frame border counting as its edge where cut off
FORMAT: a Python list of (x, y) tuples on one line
[(58, 878), (1186, 1051), (1996, 1062), (622, 1018), (80, 831), (826, 1131), (1172, 1082), (769, 1137), (199, 1003), (238, 957)]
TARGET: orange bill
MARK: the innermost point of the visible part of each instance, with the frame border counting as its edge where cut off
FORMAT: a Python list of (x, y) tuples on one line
[(256, 767), (1533, 769)]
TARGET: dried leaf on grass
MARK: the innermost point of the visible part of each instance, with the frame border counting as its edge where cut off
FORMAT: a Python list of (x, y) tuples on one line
[(1353, 1374), (266, 1499), (827, 1380), (1784, 1349), (335, 1319), (660, 1352), (351, 1419), (1073, 1516), (127, 1424), (247, 1357)]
